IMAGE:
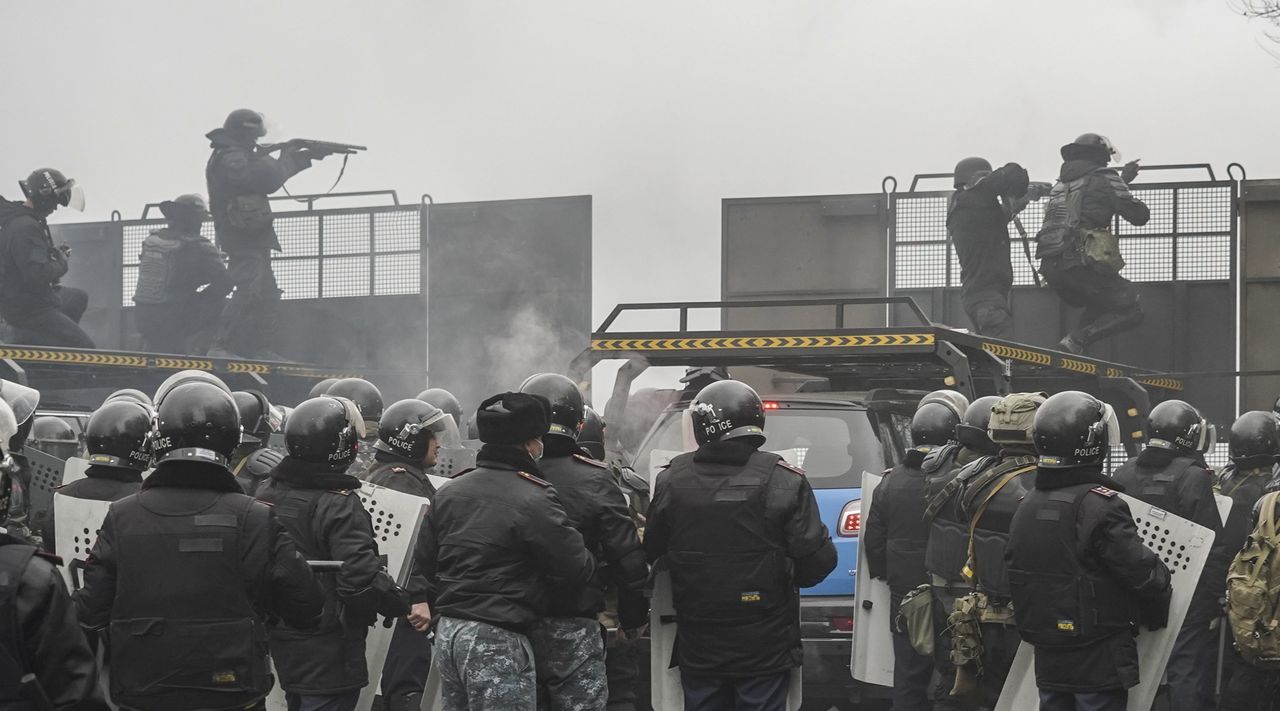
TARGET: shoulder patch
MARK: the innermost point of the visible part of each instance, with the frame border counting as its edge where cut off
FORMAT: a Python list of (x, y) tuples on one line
[(340, 492), (588, 460), (534, 479), (790, 467), (399, 470), (1104, 491)]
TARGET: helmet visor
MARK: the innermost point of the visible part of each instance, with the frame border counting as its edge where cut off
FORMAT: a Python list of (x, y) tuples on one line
[(354, 418), (445, 430), (21, 399), (73, 197)]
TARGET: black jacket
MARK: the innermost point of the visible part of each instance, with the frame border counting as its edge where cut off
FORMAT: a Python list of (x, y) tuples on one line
[(1108, 547), (193, 262), (978, 225), (325, 518), (497, 541), (596, 507), (396, 472), (39, 633), (99, 484), (30, 264), (239, 180), (1244, 487), (679, 519), (895, 532), (1183, 486), (1105, 195)]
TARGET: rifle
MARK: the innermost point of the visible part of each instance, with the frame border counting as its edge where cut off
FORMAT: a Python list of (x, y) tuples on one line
[(328, 147)]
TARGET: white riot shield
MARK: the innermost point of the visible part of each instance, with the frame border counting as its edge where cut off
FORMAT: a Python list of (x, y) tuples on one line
[(664, 685), (396, 519), (46, 473), (74, 470), (76, 523), (451, 461), (872, 661), (1184, 547)]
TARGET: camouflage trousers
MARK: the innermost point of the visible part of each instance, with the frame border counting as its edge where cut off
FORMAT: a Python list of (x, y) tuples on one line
[(483, 667), (570, 661)]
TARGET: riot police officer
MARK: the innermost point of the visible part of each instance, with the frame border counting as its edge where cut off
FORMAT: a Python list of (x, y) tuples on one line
[(895, 535), (567, 644), (489, 594), (1080, 610), (1254, 447), (443, 399), (182, 282), (322, 387), (41, 311), (55, 437), (977, 221), (591, 440), (240, 178), (117, 445), (193, 640), (253, 459), (1170, 474), (17, 516), (1082, 205), (736, 561), (324, 667), (368, 400)]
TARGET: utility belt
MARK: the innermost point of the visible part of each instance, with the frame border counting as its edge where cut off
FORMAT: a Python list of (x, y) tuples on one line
[(958, 588)]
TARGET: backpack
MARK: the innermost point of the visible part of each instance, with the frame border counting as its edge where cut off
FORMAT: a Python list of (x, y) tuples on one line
[(1253, 591)]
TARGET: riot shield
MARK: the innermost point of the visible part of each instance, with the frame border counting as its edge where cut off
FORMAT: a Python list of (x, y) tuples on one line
[(73, 470), (46, 473), (872, 661), (451, 461), (1184, 547), (76, 525)]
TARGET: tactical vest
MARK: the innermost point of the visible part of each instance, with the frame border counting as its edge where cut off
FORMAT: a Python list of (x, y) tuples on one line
[(1060, 230), (1058, 603), (948, 546), (728, 563), (1158, 488), (183, 626), (13, 664), (156, 268), (994, 515)]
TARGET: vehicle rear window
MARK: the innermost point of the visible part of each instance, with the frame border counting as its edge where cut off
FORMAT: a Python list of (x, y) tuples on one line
[(833, 446)]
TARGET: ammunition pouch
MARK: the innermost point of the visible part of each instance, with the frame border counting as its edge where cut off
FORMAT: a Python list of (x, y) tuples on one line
[(964, 624), (915, 619), (1101, 248), (249, 213)]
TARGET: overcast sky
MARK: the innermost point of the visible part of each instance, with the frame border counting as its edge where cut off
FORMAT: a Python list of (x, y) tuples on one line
[(658, 108)]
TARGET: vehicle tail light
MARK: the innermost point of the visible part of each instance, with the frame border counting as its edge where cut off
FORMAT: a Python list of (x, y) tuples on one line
[(851, 519), (842, 624), (772, 406)]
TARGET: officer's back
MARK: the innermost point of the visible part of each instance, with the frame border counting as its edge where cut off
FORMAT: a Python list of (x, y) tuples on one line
[(186, 571), (740, 531), (1254, 447)]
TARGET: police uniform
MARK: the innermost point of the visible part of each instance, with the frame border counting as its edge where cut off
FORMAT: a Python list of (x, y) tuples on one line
[(399, 473), (41, 311), (894, 537), (39, 635), (255, 467), (735, 569), (170, 306), (978, 225)]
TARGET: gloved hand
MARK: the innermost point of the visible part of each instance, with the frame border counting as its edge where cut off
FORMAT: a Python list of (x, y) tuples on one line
[(1154, 614), (1129, 171)]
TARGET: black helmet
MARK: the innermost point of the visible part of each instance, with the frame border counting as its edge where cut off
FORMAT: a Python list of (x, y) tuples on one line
[(117, 435), (1254, 440), (187, 376), (950, 398), (1074, 429), (970, 170), (325, 431), (444, 400), (591, 438), (245, 123), (196, 420), (409, 425), (727, 409), (257, 417), (322, 387), (48, 188), (972, 430), (567, 406), (365, 395), (52, 429), (934, 424), (1091, 146), (23, 401), (1175, 425), (131, 394), (698, 377)]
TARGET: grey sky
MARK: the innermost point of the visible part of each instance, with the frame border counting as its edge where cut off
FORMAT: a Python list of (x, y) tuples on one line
[(657, 108)]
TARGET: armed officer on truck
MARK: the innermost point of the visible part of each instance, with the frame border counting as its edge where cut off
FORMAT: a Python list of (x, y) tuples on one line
[(1079, 257), (741, 533), (1081, 577), (240, 178)]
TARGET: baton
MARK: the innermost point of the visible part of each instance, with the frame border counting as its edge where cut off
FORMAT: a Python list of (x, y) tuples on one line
[(1222, 652)]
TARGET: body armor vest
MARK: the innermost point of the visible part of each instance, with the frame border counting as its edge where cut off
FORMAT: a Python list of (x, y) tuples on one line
[(1058, 602), (1061, 226), (995, 517), (156, 268), (1158, 487), (13, 665), (183, 627), (948, 546), (728, 563)]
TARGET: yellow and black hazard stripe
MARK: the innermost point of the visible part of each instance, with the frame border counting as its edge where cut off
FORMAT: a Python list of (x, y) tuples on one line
[(40, 355), (240, 367), (182, 364), (1162, 382), (887, 340), (1078, 366), (1001, 350)]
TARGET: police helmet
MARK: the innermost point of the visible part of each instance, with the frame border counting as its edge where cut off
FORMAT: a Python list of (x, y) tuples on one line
[(1254, 442), (117, 435), (972, 430), (130, 394), (246, 123), (1074, 429), (567, 406), (22, 401), (257, 416), (366, 396), (322, 387), (952, 399), (325, 431), (727, 409), (934, 424), (591, 438), (8, 432), (408, 426), (970, 170), (48, 188), (196, 420), (1091, 146), (187, 376), (444, 400), (1177, 426), (1012, 419), (49, 428)]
